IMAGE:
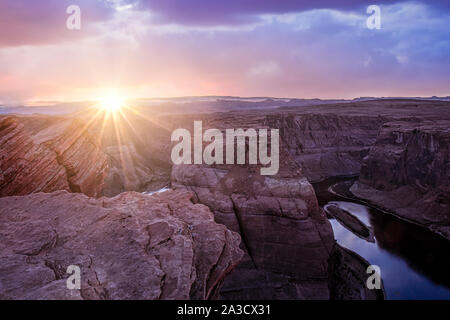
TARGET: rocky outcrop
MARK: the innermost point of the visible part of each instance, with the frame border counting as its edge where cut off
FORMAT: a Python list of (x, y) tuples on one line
[(407, 172), (285, 234), (348, 277), (58, 156), (132, 246)]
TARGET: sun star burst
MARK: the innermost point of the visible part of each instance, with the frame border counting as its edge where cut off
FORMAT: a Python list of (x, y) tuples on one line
[(111, 103)]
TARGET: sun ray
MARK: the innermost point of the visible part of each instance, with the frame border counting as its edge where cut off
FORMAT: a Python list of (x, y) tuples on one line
[(121, 153)]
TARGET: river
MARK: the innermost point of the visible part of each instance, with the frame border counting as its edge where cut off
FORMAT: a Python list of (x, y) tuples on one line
[(414, 262)]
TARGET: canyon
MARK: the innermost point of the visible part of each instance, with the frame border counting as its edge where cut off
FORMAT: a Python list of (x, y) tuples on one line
[(269, 238), (407, 172)]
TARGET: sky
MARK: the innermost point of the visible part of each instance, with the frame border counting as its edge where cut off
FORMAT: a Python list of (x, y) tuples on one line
[(168, 48)]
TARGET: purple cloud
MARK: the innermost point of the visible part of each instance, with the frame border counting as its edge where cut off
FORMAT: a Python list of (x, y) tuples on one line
[(212, 12), (24, 22)]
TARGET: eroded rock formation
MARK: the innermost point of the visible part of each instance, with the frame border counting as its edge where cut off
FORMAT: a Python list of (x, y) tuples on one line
[(327, 145), (407, 172), (58, 155), (132, 246), (285, 234)]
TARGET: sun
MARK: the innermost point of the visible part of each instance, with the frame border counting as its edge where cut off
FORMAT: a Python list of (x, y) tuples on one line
[(111, 103)]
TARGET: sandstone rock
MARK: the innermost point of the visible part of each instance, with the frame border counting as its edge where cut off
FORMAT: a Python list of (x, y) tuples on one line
[(407, 172), (132, 246), (327, 145), (22, 163), (58, 156), (285, 234), (348, 276), (332, 140)]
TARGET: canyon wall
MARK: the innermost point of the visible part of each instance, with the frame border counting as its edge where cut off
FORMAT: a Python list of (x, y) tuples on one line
[(327, 145), (407, 172), (332, 140), (132, 246), (82, 154), (58, 154)]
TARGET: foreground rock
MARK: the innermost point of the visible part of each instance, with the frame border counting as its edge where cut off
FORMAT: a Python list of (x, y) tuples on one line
[(132, 246), (407, 172), (286, 237)]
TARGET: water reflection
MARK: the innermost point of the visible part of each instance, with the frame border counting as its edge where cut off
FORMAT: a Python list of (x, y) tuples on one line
[(414, 262), (166, 188)]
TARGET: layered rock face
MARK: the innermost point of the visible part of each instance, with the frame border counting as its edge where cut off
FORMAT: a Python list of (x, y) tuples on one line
[(407, 172), (94, 155), (327, 145), (332, 140), (58, 155), (132, 246)]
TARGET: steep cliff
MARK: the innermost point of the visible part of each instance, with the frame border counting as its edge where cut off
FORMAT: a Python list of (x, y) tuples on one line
[(407, 172), (132, 246), (332, 140), (57, 155), (326, 145)]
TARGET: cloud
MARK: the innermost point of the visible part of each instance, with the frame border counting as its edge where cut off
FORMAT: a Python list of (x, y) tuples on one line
[(25, 22), (231, 12), (327, 53), (235, 12), (265, 69)]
